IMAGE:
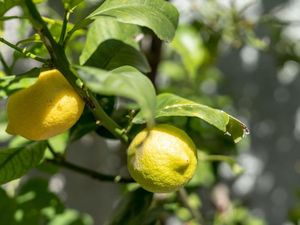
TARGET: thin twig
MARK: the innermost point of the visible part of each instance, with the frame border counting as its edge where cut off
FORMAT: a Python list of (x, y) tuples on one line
[(24, 51), (6, 68), (88, 172), (3, 18), (131, 116), (59, 160), (221, 158), (64, 27), (54, 154)]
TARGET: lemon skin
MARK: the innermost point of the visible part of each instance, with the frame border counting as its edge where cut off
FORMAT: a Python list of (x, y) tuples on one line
[(162, 159), (47, 108)]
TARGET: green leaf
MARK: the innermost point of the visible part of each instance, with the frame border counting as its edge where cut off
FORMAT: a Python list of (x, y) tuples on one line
[(15, 162), (124, 81), (35, 203), (34, 194), (69, 4), (158, 15), (5, 5), (13, 83), (71, 217), (80, 25), (105, 28), (173, 105), (111, 44), (171, 70), (132, 209), (7, 208), (112, 54), (188, 44)]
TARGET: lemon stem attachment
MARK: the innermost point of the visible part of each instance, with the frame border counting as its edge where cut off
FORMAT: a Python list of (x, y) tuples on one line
[(60, 61)]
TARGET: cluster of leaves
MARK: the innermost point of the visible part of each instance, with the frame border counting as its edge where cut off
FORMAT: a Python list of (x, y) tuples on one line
[(35, 204), (112, 62)]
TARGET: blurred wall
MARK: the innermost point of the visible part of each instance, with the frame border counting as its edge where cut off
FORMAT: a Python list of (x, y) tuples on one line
[(271, 110)]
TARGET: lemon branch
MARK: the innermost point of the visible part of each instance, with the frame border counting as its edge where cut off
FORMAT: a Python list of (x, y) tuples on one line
[(59, 160), (60, 61), (24, 51), (88, 172)]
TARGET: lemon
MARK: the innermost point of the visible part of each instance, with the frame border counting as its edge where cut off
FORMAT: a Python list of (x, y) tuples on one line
[(48, 107), (162, 159)]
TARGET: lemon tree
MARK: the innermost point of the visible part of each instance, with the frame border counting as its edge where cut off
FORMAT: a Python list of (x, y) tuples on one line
[(98, 75)]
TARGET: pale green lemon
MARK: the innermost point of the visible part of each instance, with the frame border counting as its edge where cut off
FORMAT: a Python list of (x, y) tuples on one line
[(162, 159), (47, 108)]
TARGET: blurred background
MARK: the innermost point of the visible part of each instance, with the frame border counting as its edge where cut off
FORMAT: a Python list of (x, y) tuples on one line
[(240, 56)]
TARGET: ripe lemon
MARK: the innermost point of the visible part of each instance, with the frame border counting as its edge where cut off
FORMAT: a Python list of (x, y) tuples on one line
[(162, 159), (47, 108)]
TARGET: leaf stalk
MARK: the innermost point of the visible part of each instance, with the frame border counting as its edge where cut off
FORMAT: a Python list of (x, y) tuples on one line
[(24, 52)]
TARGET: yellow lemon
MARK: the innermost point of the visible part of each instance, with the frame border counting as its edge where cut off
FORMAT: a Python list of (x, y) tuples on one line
[(47, 108), (162, 159)]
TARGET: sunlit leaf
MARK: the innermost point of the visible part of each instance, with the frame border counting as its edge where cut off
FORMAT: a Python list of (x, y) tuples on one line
[(80, 25), (124, 81), (10, 84), (15, 162), (188, 44), (105, 28), (72, 217), (5, 5), (111, 44), (173, 105), (158, 15)]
